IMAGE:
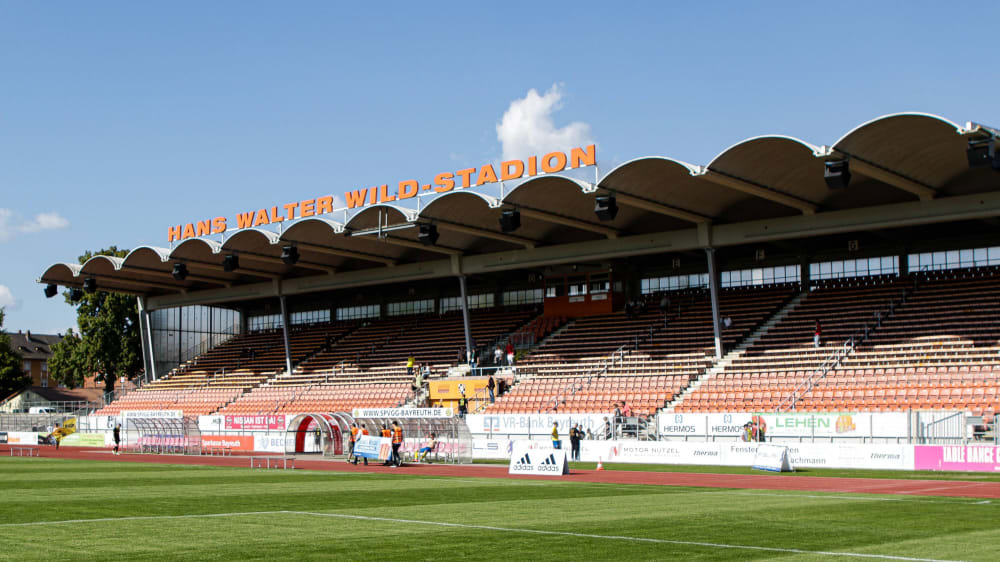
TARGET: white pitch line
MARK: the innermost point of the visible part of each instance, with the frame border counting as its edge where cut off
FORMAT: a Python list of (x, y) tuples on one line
[(484, 528), (907, 499), (615, 537)]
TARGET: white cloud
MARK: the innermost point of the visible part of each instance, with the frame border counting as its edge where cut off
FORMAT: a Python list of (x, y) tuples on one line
[(527, 127), (7, 299), (45, 221), (12, 224)]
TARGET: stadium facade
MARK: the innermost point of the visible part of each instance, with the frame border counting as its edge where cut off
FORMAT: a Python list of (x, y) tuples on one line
[(900, 194)]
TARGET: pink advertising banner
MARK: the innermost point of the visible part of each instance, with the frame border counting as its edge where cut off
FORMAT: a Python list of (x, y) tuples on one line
[(255, 422), (966, 458)]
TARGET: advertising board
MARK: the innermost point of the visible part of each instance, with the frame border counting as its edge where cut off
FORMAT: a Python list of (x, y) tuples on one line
[(236, 443), (273, 422), (970, 458), (529, 457), (534, 424), (372, 447)]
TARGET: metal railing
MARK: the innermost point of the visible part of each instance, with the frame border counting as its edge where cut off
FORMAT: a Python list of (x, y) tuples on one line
[(834, 359), (950, 428), (615, 357)]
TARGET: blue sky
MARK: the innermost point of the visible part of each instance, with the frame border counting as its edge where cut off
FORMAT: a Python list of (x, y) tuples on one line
[(119, 119)]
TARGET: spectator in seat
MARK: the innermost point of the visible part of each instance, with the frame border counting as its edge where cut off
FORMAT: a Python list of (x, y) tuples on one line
[(501, 386), (816, 334), (426, 449), (626, 410)]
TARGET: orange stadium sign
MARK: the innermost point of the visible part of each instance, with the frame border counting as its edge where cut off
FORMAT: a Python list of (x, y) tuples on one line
[(550, 163)]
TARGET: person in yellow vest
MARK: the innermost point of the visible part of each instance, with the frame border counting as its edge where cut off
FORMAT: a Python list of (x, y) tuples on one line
[(556, 443)]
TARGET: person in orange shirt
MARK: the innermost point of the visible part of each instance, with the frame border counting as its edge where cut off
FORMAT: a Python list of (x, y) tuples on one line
[(363, 431), (387, 433), (397, 442), (353, 438)]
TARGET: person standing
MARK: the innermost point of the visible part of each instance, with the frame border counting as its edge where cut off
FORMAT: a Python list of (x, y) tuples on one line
[(409, 366), (491, 386), (117, 435), (397, 442), (387, 434), (463, 406), (350, 443), (816, 334), (497, 356), (418, 380), (57, 435), (574, 442), (364, 431), (510, 354), (556, 443)]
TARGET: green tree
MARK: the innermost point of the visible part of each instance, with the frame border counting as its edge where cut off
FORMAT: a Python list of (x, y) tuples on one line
[(109, 332), (68, 364), (12, 377)]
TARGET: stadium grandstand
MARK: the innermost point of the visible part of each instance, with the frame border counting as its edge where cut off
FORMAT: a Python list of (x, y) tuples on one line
[(664, 286)]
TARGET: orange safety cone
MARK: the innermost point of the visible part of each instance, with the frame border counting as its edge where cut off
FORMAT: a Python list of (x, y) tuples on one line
[(599, 465)]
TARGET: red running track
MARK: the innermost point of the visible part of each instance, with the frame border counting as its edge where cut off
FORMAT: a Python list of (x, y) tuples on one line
[(955, 488)]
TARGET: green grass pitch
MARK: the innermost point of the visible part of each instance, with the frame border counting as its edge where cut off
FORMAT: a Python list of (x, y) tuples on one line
[(56, 509)]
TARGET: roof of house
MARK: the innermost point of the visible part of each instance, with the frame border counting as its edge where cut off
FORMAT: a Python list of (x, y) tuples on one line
[(33, 346), (55, 394)]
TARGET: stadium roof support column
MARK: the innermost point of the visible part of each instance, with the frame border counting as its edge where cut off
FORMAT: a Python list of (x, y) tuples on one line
[(465, 315), (146, 339), (713, 289), (284, 331)]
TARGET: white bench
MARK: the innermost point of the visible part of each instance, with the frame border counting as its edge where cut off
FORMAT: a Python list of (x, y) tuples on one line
[(218, 450), (265, 462), (28, 451)]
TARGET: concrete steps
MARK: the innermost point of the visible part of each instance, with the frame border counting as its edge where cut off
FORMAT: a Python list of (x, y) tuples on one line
[(721, 365)]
